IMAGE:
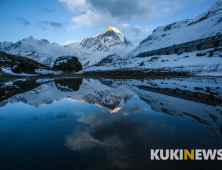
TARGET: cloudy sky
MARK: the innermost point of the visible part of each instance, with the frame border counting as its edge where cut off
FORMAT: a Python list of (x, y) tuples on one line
[(65, 21)]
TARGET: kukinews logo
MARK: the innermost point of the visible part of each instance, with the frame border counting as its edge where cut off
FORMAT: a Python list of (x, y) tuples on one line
[(184, 154)]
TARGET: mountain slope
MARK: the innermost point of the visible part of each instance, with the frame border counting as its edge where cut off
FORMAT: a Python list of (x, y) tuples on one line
[(89, 50), (205, 25)]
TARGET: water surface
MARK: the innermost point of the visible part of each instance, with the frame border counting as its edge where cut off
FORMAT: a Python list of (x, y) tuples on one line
[(107, 124)]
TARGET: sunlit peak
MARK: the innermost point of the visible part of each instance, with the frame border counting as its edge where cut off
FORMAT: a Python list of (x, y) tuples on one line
[(113, 29), (97, 35)]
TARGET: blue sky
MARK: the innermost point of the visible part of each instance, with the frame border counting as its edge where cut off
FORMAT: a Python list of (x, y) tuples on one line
[(65, 21)]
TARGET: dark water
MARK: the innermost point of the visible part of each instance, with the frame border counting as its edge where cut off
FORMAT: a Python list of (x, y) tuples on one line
[(48, 124)]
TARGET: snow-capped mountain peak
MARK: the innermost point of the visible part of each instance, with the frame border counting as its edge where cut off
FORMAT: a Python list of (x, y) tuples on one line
[(113, 29), (84, 39), (30, 37), (103, 42), (97, 35)]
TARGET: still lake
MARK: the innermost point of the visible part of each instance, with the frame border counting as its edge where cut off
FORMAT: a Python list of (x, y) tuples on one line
[(96, 124)]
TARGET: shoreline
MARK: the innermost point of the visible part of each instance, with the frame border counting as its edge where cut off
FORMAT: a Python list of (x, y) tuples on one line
[(123, 74)]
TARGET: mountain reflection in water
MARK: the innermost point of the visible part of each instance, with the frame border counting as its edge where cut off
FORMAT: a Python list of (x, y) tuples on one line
[(76, 123)]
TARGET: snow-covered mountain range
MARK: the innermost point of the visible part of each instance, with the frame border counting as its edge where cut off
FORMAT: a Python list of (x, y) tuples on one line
[(205, 25), (89, 50)]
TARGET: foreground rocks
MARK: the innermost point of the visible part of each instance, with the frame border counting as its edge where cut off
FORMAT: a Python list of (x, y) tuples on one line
[(23, 68), (20, 64), (67, 63)]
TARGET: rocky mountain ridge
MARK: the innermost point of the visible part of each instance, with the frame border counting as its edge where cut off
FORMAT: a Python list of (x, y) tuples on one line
[(89, 50), (205, 25)]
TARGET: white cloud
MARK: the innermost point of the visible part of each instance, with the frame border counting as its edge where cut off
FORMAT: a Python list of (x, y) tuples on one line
[(88, 18), (125, 25), (129, 30), (73, 3), (106, 12), (70, 41)]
